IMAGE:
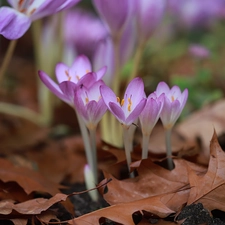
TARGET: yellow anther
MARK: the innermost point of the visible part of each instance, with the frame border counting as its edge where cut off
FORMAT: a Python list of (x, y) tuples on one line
[(118, 99), (87, 71), (78, 78), (129, 107), (86, 100), (122, 102), (129, 100), (67, 73), (172, 98), (32, 11)]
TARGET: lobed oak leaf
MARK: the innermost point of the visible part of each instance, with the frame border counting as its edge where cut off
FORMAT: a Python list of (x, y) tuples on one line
[(28, 179), (209, 189), (152, 180), (122, 213)]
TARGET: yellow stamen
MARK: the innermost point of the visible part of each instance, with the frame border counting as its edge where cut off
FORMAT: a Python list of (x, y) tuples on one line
[(78, 78), (129, 100), (86, 100), (118, 99), (172, 98), (129, 107), (87, 71), (20, 3), (122, 102)]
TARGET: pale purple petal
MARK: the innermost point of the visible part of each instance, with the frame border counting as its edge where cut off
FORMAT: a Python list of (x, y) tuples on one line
[(53, 87), (162, 88), (62, 73), (68, 88), (136, 112), (13, 24), (100, 73), (117, 112), (108, 95), (80, 67)]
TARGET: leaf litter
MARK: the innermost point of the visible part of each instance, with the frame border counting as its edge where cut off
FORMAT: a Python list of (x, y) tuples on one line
[(26, 193)]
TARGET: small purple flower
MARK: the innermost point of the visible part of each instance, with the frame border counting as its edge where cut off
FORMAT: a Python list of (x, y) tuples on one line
[(114, 13), (149, 15), (151, 112), (69, 78), (199, 51), (89, 104), (174, 102), (80, 37), (15, 21), (129, 108)]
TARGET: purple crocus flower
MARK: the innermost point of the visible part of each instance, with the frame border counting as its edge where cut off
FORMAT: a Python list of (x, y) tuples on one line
[(80, 37), (89, 104), (149, 14), (199, 51), (151, 112), (174, 102), (114, 13), (129, 108), (196, 13), (69, 78), (15, 21)]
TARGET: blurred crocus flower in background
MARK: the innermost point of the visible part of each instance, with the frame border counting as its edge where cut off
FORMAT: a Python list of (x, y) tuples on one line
[(114, 13), (149, 13), (195, 13), (80, 73), (83, 31), (199, 51), (16, 20)]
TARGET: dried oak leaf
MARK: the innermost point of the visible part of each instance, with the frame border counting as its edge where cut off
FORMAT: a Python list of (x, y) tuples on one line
[(28, 179), (31, 207), (209, 189), (122, 213), (153, 180)]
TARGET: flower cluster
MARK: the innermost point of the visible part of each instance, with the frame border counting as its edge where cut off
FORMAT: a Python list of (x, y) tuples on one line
[(85, 90)]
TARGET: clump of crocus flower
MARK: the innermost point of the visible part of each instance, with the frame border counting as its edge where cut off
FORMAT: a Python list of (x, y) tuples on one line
[(174, 102)]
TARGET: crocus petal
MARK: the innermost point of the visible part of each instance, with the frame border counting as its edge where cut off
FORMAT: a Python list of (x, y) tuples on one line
[(100, 73), (53, 87), (162, 87), (81, 66), (62, 72), (117, 112), (13, 24), (68, 88), (136, 112), (135, 90), (108, 95), (49, 7)]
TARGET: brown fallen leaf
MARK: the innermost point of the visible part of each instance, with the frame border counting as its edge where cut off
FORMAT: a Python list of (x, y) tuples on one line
[(122, 213), (209, 189), (30, 207), (28, 179), (153, 180)]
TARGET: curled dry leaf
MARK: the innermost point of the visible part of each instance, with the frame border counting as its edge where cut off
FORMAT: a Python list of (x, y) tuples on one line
[(209, 189), (29, 180), (122, 213)]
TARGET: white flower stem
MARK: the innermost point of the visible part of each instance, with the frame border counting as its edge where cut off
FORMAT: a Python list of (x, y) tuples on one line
[(87, 146), (169, 148), (7, 58), (127, 145), (94, 152), (145, 143)]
